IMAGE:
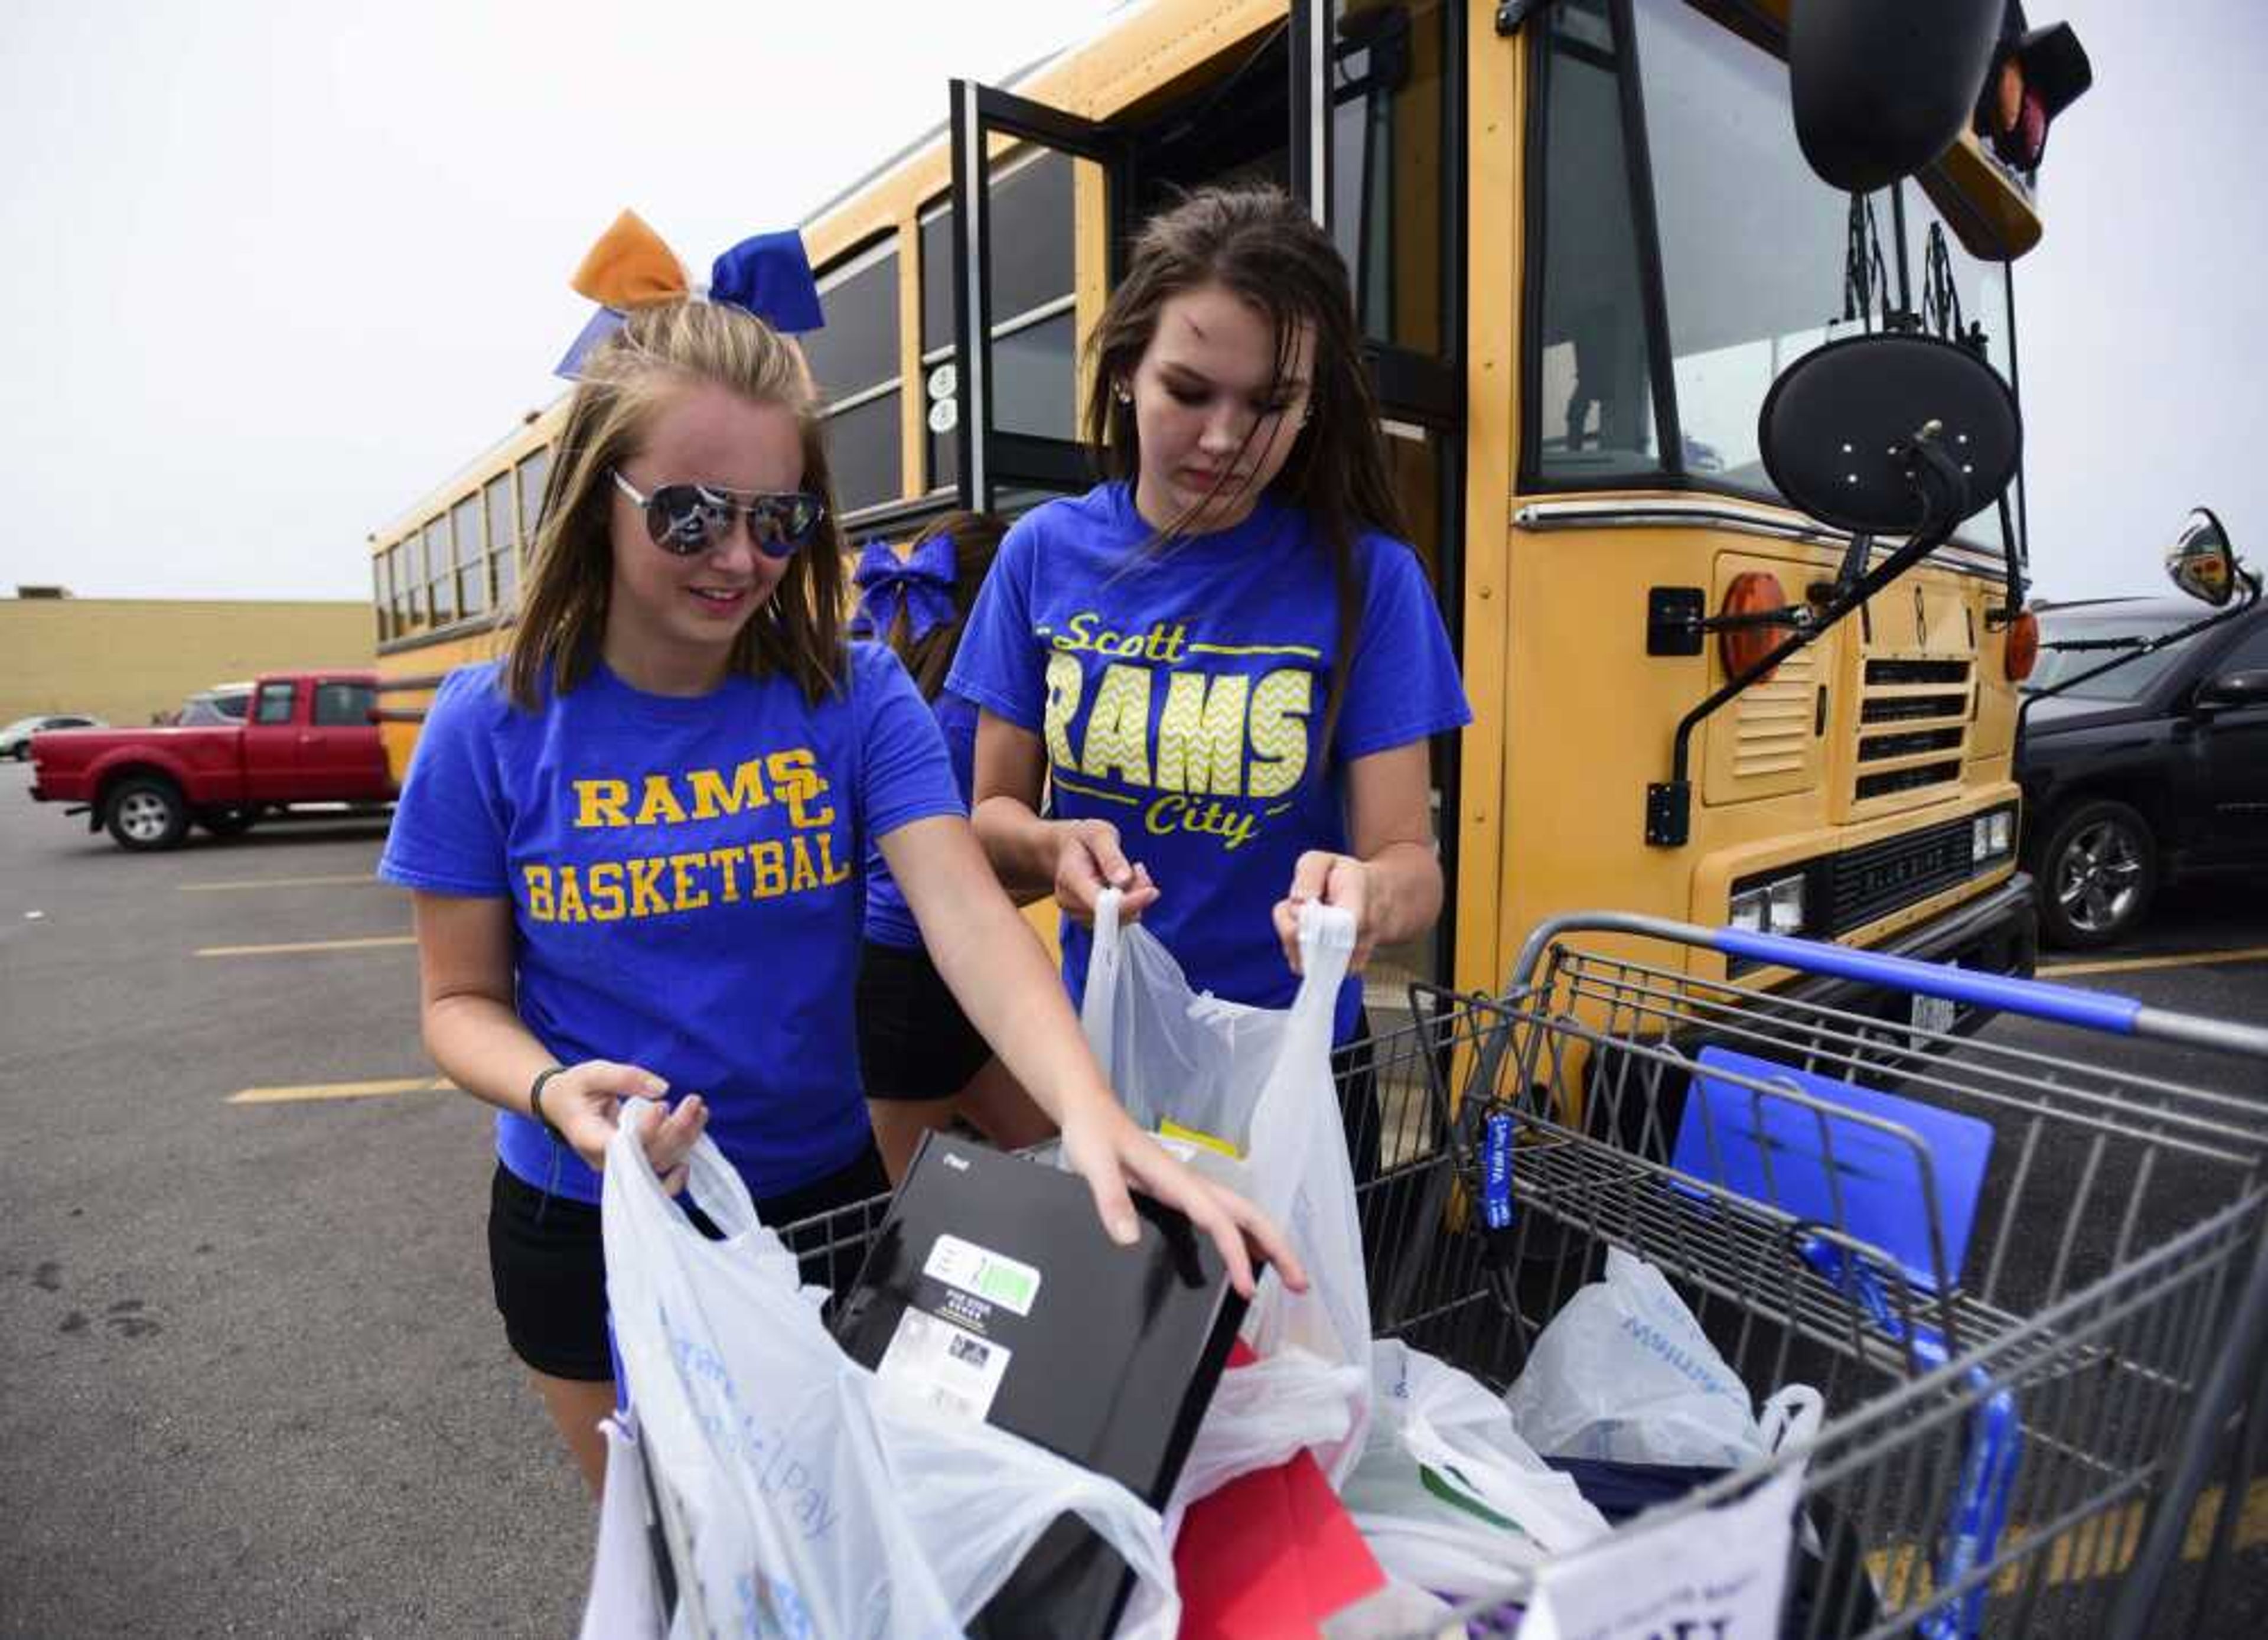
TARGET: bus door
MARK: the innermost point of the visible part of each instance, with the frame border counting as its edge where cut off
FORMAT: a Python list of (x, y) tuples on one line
[(1354, 107), (1377, 92), (1033, 262)]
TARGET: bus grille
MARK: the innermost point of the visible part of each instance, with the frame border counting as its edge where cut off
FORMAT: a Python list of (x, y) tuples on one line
[(1913, 714), (1867, 883)]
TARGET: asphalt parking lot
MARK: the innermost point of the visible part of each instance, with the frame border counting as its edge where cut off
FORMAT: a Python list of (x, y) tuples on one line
[(256, 1385)]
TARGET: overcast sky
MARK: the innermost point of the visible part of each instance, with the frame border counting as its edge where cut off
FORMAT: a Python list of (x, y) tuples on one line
[(272, 271)]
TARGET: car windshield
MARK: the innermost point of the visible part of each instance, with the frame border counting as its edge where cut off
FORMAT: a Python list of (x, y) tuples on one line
[(2128, 682)]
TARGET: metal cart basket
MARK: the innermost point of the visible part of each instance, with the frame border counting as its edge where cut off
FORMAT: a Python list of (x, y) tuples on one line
[(2033, 1295)]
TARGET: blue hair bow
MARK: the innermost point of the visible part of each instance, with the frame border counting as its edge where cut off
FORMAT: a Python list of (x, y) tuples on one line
[(767, 275), (919, 585)]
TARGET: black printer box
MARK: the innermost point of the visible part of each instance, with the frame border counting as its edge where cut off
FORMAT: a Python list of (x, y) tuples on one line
[(993, 1291)]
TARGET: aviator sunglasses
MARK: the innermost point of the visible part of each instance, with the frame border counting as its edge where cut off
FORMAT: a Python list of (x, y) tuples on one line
[(688, 520)]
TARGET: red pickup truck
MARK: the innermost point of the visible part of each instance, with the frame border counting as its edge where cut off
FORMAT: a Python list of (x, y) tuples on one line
[(308, 738)]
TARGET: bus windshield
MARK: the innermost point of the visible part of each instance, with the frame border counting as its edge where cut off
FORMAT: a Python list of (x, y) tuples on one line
[(1752, 247), (1752, 243)]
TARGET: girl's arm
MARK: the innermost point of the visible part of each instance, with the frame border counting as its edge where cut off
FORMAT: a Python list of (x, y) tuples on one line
[(1000, 976), (474, 1034), (1075, 859), (1392, 882)]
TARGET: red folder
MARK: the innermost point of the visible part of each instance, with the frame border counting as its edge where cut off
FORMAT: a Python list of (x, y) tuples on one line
[(1269, 1554)]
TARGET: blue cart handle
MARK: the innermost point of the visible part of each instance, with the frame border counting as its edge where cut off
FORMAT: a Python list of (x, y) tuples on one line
[(2034, 998), (2063, 1005)]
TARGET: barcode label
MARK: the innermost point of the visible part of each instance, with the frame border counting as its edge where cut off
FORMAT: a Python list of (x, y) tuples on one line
[(982, 1273), (938, 1363)]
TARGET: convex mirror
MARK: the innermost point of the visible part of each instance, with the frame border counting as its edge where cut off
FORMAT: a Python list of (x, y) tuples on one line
[(2202, 563), (1835, 428), (1880, 88)]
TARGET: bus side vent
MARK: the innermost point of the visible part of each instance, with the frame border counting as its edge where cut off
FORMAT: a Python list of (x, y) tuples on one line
[(1771, 729), (1917, 672), (1913, 725), (1894, 781)]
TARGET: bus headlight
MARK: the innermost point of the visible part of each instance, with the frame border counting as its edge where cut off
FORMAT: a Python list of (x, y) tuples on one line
[(1991, 836), (1770, 906)]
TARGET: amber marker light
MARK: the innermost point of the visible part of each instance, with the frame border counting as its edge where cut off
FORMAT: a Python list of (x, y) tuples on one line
[(2022, 650), (1753, 592)]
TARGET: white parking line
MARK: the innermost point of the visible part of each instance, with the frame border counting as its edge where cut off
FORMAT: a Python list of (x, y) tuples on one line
[(371, 943), (362, 879)]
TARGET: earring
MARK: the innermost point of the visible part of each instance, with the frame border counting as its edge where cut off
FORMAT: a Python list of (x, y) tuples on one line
[(1124, 394)]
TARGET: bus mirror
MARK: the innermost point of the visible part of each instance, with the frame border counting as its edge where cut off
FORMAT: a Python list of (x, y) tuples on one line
[(1890, 434), (2202, 563), (1883, 87)]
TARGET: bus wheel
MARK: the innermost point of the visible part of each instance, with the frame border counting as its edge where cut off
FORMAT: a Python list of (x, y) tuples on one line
[(146, 813)]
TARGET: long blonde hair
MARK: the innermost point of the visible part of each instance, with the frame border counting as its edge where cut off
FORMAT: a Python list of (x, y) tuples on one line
[(625, 380)]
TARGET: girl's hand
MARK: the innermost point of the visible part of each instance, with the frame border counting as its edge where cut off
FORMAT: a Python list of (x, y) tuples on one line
[(1105, 1147), (1339, 880), (1089, 861), (585, 1103)]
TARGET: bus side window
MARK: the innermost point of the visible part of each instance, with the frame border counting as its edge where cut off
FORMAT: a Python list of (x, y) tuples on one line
[(1390, 213), (1592, 388), (1034, 322), (472, 555), (440, 572), (855, 360)]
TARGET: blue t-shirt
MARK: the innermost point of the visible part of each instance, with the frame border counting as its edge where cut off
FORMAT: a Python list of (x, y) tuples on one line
[(685, 886), (889, 922), (1180, 692)]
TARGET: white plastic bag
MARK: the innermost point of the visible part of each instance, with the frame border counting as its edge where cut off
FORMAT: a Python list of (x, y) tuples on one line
[(804, 1497), (1625, 1372), (1261, 1080), (1448, 1495), (625, 1598)]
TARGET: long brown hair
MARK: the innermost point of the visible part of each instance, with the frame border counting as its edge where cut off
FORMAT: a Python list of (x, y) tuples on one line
[(625, 380), (1257, 242), (975, 538)]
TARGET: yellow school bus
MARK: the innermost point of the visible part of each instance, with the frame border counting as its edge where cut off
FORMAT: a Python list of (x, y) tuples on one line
[(1584, 241)]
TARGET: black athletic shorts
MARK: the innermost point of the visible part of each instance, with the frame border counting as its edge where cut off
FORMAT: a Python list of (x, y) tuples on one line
[(550, 1267), (914, 1041)]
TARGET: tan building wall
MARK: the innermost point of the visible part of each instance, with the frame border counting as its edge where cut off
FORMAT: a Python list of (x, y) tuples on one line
[(124, 659)]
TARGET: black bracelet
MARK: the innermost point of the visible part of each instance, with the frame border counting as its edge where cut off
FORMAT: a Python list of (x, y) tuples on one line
[(535, 1103)]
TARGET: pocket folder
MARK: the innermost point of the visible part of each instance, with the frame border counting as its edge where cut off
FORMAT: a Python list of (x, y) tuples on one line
[(1775, 1151)]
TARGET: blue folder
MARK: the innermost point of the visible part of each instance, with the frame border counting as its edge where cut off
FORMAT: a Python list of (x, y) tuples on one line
[(1878, 1177)]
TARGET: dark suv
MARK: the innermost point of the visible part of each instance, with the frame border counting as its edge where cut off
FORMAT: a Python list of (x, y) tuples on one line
[(2155, 769)]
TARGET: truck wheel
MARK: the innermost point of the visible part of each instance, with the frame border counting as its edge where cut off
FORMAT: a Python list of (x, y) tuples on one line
[(228, 822), (2098, 875), (147, 812)]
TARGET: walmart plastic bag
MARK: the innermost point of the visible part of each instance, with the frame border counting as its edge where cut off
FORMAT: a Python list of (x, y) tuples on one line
[(624, 1602), (1448, 1495), (1625, 1372), (1259, 1080), (800, 1496)]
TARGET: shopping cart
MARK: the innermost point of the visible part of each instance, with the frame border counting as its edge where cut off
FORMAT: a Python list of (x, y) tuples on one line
[(2031, 1285)]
